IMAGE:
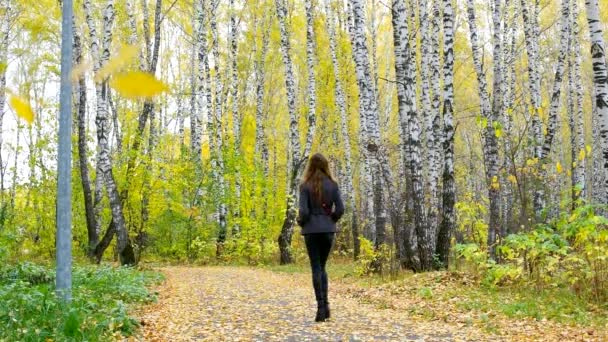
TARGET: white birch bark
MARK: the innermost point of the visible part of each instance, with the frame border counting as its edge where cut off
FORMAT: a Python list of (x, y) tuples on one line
[(5, 25), (103, 129), (531, 31), (236, 116), (577, 114), (340, 99), (295, 160), (405, 88), (368, 107), (600, 85), (219, 142), (448, 220), (490, 148), (557, 83)]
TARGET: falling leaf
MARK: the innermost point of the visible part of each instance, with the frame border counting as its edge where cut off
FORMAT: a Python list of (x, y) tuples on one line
[(498, 132), (122, 59), (79, 70), (559, 168), (582, 155), (22, 108), (588, 148), (137, 84)]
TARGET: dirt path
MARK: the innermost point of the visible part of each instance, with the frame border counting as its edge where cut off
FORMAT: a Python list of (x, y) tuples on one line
[(242, 304)]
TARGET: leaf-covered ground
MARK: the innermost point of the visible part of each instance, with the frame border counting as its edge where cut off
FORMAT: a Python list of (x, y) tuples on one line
[(238, 303)]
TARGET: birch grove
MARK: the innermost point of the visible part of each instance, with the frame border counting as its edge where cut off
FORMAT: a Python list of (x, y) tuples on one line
[(447, 125)]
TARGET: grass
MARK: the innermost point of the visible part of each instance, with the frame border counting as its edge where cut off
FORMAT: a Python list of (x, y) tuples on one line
[(469, 296), (30, 311)]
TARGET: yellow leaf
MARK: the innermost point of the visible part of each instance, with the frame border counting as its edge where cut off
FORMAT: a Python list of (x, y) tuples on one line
[(512, 179), (122, 59), (2, 67), (137, 84), (581, 154), (498, 132), (22, 108), (510, 111), (559, 168), (531, 161), (495, 184), (588, 148)]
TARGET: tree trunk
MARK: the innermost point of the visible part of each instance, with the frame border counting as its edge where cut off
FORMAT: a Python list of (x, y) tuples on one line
[(294, 136), (218, 169), (600, 83), (577, 128), (81, 105), (368, 108), (236, 117), (340, 99), (448, 220), (103, 130), (5, 26), (490, 148)]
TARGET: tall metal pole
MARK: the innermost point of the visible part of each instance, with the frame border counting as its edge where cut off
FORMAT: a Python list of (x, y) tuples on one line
[(64, 161)]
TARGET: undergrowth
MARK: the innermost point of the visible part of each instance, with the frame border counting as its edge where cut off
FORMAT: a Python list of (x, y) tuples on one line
[(30, 310)]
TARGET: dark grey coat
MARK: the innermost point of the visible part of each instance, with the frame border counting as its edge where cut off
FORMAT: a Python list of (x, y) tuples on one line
[(313, 218)]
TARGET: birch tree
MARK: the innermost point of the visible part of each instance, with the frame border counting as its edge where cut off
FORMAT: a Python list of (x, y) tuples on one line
[(219, 140), (5, 26), (532, 49), (406, 100), (340, 99), (297, 159), (448, 220), (490, 148), (293, 149), (600, 86), (104, 158), (236, 116), (576, 114)]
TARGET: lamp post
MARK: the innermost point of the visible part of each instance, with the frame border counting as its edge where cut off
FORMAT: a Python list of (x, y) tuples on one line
[(64, 161)]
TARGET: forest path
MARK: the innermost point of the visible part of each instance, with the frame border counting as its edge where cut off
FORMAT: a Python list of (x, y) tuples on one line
[(245, 304)]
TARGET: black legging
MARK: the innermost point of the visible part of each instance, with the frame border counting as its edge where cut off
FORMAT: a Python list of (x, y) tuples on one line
[(318, 246)]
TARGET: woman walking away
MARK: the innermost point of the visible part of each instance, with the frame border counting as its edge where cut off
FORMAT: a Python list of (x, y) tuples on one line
[(320, 208)]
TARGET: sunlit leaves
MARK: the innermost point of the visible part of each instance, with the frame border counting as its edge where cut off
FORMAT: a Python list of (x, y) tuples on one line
[(22, 108), (137, 84)]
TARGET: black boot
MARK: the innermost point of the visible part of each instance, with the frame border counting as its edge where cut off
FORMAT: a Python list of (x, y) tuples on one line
[(321, 313), (324, 290)]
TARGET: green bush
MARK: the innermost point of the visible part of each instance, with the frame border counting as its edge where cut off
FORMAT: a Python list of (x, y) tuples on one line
[(30, 311), (570, 252)]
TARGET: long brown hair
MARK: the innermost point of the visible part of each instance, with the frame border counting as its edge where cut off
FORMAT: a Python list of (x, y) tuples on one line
[(317, 169)]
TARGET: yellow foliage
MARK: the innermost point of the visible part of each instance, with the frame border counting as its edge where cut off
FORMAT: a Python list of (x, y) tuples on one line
[(512, 179), (531, 161), (559, 168), (495, 184), (122, 59), (498, 132), (137, 84), (22, 108), (588, 148), (581, 154)]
